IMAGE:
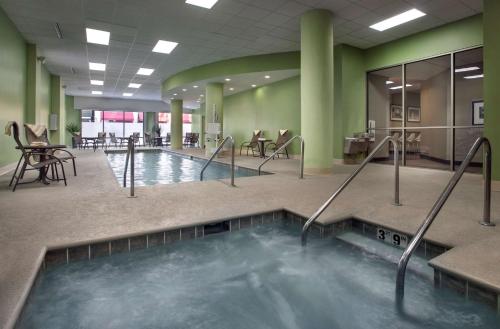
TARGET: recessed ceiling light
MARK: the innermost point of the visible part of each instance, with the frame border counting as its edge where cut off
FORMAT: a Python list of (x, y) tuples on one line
[(195, 87), (253, 86), (388, 82), (231, 88), (467, 69), (267, 77), (171, 98), (96, 92), (127, 94), (97, 36), (198, 101), (175, 94), (400, 87), (97, 82), (398, 20), (477, 76), (97, 66), (227, 79), (144, 71), (202, 3), (165, 47), (134, 85), (184, 90), (202, 95)]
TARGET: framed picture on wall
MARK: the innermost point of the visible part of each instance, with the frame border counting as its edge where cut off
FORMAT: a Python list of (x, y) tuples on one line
[(413, 114), (478, 112), (396, 113)]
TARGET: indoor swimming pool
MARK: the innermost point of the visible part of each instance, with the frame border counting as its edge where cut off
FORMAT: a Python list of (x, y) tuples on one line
[(153, 168), (254, 278)]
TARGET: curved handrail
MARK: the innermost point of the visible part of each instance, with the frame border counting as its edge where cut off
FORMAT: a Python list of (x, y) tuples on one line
[(131, 156), (301, 174), (403, 262), (387, 139), (216, 152)]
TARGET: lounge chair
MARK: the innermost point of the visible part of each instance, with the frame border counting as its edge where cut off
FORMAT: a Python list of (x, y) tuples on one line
[(195, 137), (137, 138), (31, 159), (167, 139), (100, 140), (113, 140), (39, 133), (147, 139), (283, 137), (253, 144), (187, 139)]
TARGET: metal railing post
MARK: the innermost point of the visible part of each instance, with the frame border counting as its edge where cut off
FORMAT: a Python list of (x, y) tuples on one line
[(438, 205), (301, 173), (126, 164), (132, 170), (310, 221), (216, 152)]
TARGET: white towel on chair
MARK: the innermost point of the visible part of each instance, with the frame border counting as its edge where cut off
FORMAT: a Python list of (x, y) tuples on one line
[(37, 130)]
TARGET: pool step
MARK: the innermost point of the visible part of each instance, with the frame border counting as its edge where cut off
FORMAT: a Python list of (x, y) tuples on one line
[(388, 252)]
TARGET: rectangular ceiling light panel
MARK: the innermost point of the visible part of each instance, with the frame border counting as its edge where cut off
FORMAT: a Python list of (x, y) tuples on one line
[(165, 47), (477, 76), (97, 82), (202, 3), (96, 92), (467, 69), (97, 36), (97, 66), (145, 71), (134, 85), (398, 20)]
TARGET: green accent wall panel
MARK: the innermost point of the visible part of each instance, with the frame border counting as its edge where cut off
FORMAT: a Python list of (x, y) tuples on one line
[(72, 115), (350, 100), (43, 97), (12, 85), (269, 108), (465, 33), (492, 80), (57, 106)]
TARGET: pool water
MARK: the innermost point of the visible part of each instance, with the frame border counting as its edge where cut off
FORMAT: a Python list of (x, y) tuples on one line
[(254, 278), (153, 168)]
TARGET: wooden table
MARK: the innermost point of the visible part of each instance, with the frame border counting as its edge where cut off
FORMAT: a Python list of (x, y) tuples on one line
[(262, 149), (41, 151)]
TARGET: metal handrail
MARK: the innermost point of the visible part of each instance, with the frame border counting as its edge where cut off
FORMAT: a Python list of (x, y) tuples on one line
[(387, 139), (131, 156), (403, 262), (301, 174), (216, 152)]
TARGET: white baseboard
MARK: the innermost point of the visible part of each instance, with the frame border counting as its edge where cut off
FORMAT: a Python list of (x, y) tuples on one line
[(7, 168)]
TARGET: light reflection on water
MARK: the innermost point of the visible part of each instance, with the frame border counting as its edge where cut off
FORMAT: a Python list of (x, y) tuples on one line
[(153, 168)]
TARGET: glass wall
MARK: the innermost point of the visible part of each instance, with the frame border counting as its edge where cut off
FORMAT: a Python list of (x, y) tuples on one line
[(433, 106), (113, 123), (133, 123), (123, 124), (91, 123)]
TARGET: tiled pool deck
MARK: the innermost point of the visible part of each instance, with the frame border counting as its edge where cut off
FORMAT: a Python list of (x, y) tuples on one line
[(94, 207)]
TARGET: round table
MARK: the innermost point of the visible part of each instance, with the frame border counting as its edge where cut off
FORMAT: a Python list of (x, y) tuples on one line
[(262, 149)]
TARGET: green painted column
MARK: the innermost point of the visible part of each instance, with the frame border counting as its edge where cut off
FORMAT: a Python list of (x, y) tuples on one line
[(32, 72), (316, 89), (149, 121), (491, 25), (72, 116), (176, 124), (57, 107), (214, 113)]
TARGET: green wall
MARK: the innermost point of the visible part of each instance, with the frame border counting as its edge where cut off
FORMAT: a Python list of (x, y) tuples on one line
[(492, 80), (350, 103), (454, 36), (269, 108), (72, 116), (57, 106), (12, 84)]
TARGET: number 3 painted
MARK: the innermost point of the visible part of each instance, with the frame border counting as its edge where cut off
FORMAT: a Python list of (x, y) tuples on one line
[(381, 234)]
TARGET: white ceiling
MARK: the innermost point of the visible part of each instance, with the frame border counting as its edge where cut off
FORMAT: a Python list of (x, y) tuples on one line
[(232, 28)]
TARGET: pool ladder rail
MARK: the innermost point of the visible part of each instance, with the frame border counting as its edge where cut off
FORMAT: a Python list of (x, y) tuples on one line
[(388, 139), (228, 138), (486, 221), (131, 156), (282, 147)]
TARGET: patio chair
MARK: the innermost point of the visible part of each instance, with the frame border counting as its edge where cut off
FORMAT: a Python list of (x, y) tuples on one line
[(187, 139), (31, 159), (39, 133), (283, 137), (195, 137), (79, 142), (253, 144), (167, 139), (147, 139), (137, 138), (100, 140), (113, 140)]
